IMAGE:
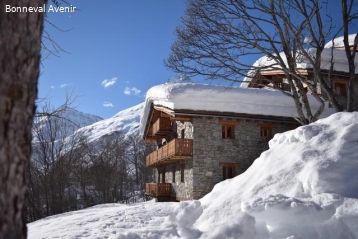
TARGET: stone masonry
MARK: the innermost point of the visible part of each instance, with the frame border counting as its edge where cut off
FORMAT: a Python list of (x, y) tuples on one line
[(202, 171)]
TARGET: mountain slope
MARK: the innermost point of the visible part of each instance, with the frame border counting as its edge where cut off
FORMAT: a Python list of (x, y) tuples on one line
[(72, 123), (125, 121), (61, 126)]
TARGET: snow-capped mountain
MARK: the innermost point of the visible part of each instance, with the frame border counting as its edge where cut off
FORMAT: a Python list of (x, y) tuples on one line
[(124, 122), (72, 123), (62, 125)]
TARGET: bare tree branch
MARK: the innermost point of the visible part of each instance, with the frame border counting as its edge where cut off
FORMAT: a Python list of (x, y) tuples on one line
[(216, 36)]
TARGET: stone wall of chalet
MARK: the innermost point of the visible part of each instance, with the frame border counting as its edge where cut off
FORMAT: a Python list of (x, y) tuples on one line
[(210, 149), (180, 190), (202, 171)]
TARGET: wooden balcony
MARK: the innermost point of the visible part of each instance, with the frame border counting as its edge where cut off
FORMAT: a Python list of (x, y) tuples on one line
[(162, 126), (158, 189), (175, 150)]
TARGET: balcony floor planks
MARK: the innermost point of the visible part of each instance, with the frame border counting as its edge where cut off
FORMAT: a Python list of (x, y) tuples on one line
[(166, 161), (175, 150)]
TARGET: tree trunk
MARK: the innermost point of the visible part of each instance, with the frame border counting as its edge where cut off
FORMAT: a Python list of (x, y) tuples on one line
[(351, 95), (20, 44)]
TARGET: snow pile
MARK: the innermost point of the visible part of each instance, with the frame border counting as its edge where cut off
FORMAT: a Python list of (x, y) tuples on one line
[(199, 97), (304, 186)]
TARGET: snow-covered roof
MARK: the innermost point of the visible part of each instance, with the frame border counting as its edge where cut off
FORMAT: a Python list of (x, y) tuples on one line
[(211, 98), (339, 59), (338, 42)]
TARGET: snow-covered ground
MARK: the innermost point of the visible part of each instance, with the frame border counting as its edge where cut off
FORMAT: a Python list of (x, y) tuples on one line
[(304, 186)]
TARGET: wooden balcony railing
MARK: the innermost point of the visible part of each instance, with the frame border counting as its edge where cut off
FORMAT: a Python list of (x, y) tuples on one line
[(158, 189), (162, 126), (177, 149)]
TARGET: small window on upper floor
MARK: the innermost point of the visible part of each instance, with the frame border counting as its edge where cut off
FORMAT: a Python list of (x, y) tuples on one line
[(228, 128), (266, 131), (228, 131), (340, 88)]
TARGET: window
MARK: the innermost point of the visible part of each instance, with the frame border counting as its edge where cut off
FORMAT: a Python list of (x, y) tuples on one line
[(228, 128), (229, 170), (182, 167), (173, 180), (280, 84), (340, 88), (228, 131), (266, 131)]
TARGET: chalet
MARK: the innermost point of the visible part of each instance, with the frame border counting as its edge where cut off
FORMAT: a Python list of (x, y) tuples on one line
[(205, 134), (266, 73)]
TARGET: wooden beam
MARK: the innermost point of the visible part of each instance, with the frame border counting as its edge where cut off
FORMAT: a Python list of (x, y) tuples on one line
[(263, 124), (180, 118), (150, 140), (164, 109), (165, 115), (229, 122)]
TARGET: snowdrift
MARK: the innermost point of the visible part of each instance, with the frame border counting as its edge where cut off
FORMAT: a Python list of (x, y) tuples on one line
[(304, 186)]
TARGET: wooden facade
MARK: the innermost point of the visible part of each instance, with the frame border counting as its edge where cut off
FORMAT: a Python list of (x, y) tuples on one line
[(158, 189), (162, 126)]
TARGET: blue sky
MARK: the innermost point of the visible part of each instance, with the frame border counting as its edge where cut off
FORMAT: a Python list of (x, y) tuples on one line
[(116, 50)]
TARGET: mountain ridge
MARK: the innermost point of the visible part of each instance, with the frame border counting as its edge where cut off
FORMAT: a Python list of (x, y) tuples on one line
[(71, 123)]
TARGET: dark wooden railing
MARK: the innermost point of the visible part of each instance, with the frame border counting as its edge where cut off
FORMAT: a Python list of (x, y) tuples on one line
[(162, 126), (177, 149), (158, 189)]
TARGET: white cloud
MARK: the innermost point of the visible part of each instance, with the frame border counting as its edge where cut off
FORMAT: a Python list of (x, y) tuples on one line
[(108, 82), (63, 85), (131, 91), (107, 104), (52, 87)]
